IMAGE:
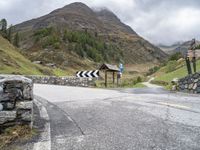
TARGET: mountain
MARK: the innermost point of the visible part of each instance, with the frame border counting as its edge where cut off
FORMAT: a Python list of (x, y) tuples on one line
[(76, 35), (178, 47), (13, 62), (169, 48)]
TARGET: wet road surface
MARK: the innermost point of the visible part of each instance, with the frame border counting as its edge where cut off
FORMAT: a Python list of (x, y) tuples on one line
[(122, 119)]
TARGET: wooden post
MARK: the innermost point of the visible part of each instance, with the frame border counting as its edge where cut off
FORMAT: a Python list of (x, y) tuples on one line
[(113, 78), (117, 80), (105, 78)]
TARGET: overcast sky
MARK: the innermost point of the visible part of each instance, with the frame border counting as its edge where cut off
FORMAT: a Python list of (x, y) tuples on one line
[(159, 21)]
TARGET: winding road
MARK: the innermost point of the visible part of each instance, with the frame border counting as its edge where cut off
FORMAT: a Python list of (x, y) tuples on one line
[(119, 119)]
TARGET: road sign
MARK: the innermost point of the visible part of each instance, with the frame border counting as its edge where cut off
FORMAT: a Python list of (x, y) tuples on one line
[(88, 74), (121, 67)]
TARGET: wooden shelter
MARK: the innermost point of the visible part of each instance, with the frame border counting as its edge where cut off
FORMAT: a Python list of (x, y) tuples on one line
[(109, 68)]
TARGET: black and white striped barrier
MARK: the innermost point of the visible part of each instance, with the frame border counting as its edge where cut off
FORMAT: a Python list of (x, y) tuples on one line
[(88, 74)]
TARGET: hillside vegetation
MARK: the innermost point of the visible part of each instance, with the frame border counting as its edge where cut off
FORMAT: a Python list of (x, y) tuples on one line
[(79, 37), (173, 69), (81, 43), (12, 62)]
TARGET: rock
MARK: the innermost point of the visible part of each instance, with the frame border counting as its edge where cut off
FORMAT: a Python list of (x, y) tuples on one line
[(195, 86), (190, 86), (1, 107), (1, 89), (182, 87), (175, 81), (16, 94), (6, 116), (37, 62), (196, 75), (196, 80), (174, 88), (9, 106), (24, 105), (28, 92), (26, 116), (198, 89)]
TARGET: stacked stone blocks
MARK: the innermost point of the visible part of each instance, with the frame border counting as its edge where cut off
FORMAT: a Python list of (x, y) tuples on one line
[(16, 101), (190, 84)]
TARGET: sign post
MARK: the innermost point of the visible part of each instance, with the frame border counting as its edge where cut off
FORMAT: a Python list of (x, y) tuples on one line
[(119, 75), (191, 57)]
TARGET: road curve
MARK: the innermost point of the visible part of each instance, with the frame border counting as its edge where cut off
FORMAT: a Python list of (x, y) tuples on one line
[(148, 118)]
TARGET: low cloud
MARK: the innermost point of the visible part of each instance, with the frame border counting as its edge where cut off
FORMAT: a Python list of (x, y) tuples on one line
[(159, 21)]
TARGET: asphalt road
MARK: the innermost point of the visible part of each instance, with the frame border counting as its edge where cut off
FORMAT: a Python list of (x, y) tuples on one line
[(123, 119)]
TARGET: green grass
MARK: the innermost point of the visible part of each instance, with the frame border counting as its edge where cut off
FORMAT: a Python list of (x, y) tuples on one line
[(123, 83), (181, 72), (139, 85), (12, 62)]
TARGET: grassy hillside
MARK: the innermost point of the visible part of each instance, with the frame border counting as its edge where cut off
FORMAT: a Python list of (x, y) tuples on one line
[(175, 69), (12, 62)]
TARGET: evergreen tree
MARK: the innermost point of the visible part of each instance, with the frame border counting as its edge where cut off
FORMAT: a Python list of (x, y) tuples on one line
[(16, 40), (3, 28), (9, 34), (3, 25)]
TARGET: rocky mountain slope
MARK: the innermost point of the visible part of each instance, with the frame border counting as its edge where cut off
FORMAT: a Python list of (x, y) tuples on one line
[(76, 35)]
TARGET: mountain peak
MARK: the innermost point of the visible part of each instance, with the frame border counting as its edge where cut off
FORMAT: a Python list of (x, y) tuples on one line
[(114, 39), (106, 14), (76, 5)]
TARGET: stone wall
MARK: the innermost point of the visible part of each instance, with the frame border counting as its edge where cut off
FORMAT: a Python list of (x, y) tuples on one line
[(190, 83), (16, 101), (68, 81)]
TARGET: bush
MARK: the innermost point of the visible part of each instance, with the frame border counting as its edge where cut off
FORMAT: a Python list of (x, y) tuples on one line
[(52, 41), (153, 70), (139, 79), (56, 45), (43, 32), (175, 56)]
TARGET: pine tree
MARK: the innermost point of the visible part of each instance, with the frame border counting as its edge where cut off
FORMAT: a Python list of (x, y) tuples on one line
[(3, 25), (16, 40), (3, 28), (9, 34)]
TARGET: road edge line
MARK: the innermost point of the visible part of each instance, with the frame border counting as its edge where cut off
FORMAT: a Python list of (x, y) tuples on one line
[(44, 142)]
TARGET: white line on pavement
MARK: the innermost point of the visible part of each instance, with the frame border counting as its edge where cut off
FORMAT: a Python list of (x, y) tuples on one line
[(45, 139), (174, 105)]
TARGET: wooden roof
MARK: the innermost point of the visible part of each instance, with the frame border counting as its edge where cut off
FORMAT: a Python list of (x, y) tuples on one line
[(109, 67)]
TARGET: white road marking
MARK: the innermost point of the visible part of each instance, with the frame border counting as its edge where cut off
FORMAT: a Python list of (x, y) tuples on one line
[(174, 105), (45, 139)]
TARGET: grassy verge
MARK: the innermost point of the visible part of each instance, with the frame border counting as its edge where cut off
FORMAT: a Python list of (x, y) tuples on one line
[(13, 134), (125, 82), (139, 85), (13, 62), (165, 76)]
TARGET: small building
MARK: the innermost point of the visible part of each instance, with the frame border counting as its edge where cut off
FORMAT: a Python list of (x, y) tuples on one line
[(110, 68)]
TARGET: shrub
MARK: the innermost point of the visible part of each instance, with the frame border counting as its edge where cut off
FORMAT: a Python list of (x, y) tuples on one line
[(139, 79), (56, 45), (43, 32), (175, 56), (52, 41), (153, 70)]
